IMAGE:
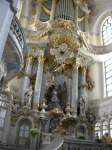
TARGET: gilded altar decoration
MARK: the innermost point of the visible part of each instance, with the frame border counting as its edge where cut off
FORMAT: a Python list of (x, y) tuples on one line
[(61, 53), (106, 137), (41, 59), (56, 112)]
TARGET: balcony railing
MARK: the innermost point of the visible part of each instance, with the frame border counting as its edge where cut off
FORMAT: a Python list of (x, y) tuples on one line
[(17, 30)]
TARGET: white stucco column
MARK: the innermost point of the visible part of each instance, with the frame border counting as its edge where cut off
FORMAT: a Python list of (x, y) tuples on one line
[(28, 69), (74, 98), (38, 82), (7, 12), (76, 13), (86, 23), (53, 9)]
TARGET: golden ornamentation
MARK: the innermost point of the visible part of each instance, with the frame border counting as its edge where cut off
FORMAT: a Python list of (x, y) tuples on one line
[(33, 20), (90, 129), (105, 115), (52, 81), (22, 104), (81, 19), (13, 120), (41, 59), (107, 138), (10, 105), (75, 66), (56, 112), (34, 12), (73, 111), (60, 130), (83, 68), (30, 58), (35, 105), (83, 85), (27, 74), (33, 48), (47, 11)]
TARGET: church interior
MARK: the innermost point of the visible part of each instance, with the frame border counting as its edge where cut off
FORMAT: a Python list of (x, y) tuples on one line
[(56, 75)]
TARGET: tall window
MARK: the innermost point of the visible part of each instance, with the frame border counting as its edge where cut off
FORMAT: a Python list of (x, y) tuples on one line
[(108, 75), (97, 129), (111, 128), (107, 31), (24, 129), (105, 128)]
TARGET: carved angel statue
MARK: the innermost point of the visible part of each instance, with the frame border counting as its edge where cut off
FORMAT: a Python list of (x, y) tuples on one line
[(28, 96)]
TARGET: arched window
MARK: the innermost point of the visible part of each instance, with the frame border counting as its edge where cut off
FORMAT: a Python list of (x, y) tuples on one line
[(23, 134), (105, 128), (111, 128), (81, 132), (108, 75), (97, 129), (107, 31)]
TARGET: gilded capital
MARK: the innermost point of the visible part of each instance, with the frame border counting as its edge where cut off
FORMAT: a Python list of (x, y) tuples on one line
[(83, 68), (41, 59), (76, 5), (30, 59), (35, 105), (86, 15), (75, 66)]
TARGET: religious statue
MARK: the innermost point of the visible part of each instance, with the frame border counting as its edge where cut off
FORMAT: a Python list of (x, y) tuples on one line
[(82, 106), (54, 96), (54, 103), (28, 96), (97, 137)]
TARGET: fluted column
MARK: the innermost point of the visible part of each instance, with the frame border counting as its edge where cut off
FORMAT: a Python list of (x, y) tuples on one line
[(38, 82), (76, 13), (53, 9), (83, 85), (28, 69), (74, 98), (86, 23)]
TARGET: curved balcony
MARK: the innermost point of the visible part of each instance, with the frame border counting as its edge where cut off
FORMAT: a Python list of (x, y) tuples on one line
[(13, 51)]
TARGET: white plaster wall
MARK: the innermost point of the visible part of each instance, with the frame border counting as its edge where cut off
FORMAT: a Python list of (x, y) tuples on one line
[(97, 74)]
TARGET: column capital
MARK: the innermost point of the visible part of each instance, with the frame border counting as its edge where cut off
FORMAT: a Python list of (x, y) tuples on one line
[(35, 105), (86, 15), (30, 58), (76, 5), (83, 68), (76, 66), (41, 59)]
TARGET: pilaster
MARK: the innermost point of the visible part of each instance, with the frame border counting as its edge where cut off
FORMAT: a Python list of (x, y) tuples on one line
[(74, 98), (38, 82)]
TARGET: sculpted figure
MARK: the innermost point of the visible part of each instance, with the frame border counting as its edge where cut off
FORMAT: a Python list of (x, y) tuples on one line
[(54, 96), (82, 106), (28, 96)]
